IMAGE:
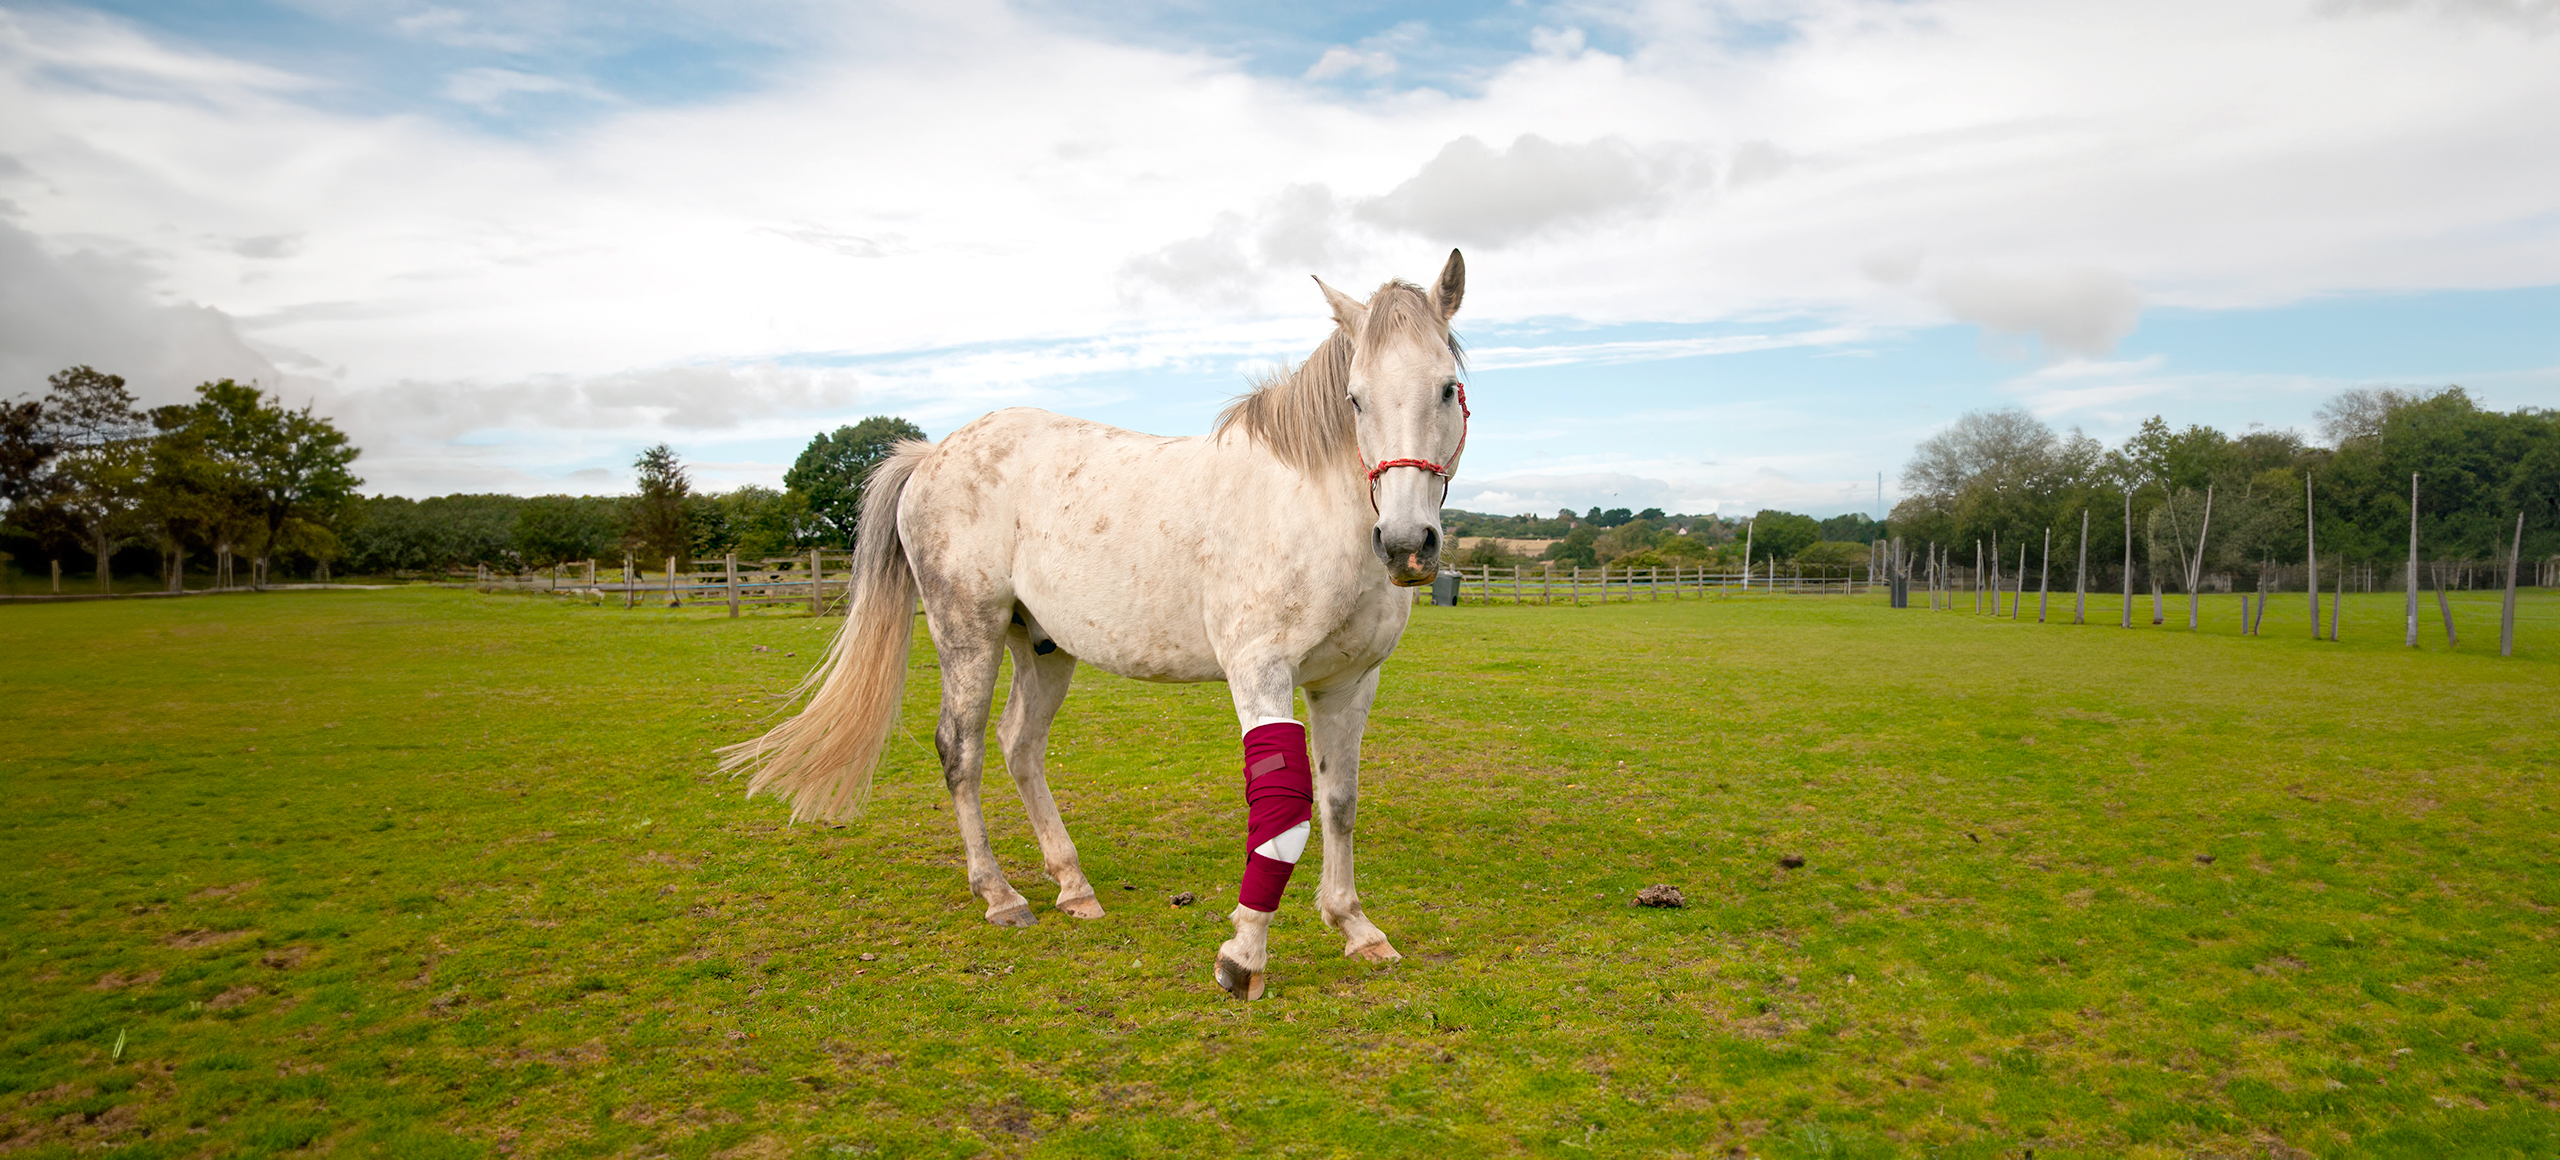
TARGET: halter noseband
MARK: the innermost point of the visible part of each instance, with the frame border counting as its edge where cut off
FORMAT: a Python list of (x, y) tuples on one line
[(1436, 469)]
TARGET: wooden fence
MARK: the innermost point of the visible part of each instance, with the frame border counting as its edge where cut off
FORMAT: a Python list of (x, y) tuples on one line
[(1486, 584), (818, 582)]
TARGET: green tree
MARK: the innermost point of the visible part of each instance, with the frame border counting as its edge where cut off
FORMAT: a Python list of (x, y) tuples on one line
[(1578, 547), (290, 465), (100, 460), (556, 529), (190, 494), (660, 527), (830, 471), (1778, 535)]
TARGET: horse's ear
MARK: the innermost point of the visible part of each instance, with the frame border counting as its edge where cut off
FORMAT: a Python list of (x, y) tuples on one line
[(1347, 310), (1451, 288)]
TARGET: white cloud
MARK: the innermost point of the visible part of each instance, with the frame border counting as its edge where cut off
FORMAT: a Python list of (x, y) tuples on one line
[(1473, 194), (489, 89), (936, 179), (1342, 61), (98, 309), (2075, 313)]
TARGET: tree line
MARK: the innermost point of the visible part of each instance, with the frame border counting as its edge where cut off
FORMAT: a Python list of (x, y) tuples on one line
[(2005, 476), (233, 474), (87, 476), (1652, 538), (664, 517)]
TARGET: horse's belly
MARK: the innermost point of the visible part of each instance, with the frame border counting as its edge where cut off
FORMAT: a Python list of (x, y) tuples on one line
[(1119, 624)]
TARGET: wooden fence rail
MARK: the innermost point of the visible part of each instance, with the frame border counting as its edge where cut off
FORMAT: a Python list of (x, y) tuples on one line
[(1486, 584), (821, 581)]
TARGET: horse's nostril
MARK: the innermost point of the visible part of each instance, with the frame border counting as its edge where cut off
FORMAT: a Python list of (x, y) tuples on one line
[(1430, 541)]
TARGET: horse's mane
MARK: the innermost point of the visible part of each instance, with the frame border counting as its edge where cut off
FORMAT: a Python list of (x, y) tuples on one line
[(1303, 415)]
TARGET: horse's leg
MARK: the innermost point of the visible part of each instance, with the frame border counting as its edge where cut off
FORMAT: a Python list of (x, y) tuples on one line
[(1039, 687), (970, 652), (1264, 691), (1336, 719)]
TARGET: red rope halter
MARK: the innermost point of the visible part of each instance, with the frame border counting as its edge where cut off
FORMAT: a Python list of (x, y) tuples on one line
[(1464, 414)]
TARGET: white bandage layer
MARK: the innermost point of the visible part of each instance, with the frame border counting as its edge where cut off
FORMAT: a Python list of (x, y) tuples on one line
[(1286, 845)]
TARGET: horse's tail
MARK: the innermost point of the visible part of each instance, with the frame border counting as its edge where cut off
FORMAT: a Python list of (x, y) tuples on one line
[(821, 759)]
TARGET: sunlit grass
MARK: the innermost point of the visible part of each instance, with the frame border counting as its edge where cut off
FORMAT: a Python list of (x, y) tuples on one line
[(441, 874)]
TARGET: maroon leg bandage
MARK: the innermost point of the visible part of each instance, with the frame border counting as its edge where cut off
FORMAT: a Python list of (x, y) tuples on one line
[(1279, 793)]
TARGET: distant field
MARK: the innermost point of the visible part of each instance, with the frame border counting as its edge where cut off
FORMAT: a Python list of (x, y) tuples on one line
[(436, 874)]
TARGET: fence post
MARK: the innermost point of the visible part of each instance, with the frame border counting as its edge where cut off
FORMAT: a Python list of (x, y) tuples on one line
[(630, 581), (1604, 583), (815, 580), (1547, 585), (2507, 606), (1575, 586), (673, 600), (729, 566), (2413, 560), (1516, 598)]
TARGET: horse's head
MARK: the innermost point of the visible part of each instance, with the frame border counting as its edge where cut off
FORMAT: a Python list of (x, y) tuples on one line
[(1409, 411)]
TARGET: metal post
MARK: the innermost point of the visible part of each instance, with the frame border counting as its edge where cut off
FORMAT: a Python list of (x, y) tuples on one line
[(730, 572), (673, 600), (2044, 576), (2413, 560), (2311, 555), (2507, 607)]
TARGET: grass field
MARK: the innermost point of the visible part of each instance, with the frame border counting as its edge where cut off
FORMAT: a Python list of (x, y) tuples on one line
[(435, 874)]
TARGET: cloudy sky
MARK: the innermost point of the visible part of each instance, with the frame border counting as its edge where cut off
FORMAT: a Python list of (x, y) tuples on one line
[(1721, 256)]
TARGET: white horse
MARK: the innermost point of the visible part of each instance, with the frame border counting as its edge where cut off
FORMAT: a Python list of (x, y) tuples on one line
[(1267, 554)]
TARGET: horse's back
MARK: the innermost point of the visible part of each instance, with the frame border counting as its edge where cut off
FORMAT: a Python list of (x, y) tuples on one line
[(1082, 524)]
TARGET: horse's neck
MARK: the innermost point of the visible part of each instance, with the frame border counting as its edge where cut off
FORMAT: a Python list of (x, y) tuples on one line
[(1324, 512)]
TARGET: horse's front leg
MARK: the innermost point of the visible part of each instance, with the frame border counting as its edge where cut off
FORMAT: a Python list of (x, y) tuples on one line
[(1279, 791), (1338, 716)]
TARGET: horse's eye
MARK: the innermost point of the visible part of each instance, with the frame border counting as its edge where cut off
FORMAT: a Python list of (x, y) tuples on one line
[(1355, 401), (1448, 391)]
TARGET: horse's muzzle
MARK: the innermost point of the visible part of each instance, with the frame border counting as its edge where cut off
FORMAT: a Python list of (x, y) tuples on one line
[(1412, 555)]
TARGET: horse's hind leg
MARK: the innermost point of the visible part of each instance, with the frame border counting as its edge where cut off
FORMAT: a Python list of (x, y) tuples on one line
[(1039, 687), (970, 652)]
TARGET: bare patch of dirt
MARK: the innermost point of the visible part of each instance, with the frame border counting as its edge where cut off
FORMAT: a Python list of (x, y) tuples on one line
[(115, 981), (284, 958), (233, 997), (210, 892), (193, 939)]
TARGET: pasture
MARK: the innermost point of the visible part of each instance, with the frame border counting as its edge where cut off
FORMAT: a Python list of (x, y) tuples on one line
[(436, 874)]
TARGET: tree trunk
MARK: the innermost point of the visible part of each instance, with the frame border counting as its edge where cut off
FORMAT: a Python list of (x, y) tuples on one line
[(99, 548)]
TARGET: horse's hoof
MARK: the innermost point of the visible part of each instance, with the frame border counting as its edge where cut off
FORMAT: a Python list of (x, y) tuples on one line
[(1380, 951), (1239, 982), (1085, 907), (1018, 914)]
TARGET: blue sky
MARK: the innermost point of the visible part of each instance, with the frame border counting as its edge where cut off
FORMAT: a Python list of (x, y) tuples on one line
[(1723, 256)]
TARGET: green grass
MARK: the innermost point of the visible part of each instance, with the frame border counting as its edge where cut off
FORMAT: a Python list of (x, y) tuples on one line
[(429, 874)]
